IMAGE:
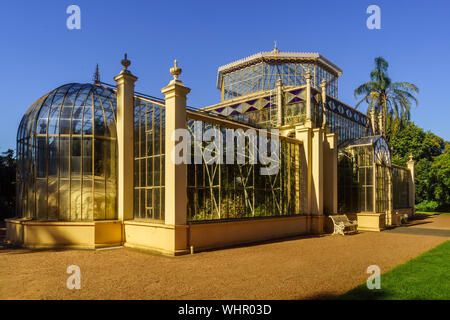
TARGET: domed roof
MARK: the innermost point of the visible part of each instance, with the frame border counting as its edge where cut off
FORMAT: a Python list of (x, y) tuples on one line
[(66, 155), (68, 109)]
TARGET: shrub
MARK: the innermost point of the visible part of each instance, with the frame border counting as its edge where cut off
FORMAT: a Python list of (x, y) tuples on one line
[(427, 206)]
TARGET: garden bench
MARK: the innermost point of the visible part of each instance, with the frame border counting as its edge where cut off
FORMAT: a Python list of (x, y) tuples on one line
[(342, 224)]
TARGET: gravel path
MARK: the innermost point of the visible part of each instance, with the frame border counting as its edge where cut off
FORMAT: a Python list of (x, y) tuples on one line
[(302, 268)]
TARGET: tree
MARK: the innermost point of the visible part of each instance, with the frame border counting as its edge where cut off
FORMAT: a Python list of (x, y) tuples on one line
[(432, 165), (414, 140), (392, 99), (7, 184), (440, 172)]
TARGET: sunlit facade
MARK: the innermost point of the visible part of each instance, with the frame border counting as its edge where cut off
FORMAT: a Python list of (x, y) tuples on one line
[(94, 168)]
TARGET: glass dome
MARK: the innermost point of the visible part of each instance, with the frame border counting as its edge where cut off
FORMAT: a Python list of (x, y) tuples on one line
[(66, 155)]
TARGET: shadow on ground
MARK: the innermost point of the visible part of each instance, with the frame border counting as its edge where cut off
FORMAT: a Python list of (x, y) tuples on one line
[(10, 249), (359, 293)]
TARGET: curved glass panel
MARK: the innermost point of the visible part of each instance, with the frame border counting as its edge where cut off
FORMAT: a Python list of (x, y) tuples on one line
[(382, 152), (66, 163)]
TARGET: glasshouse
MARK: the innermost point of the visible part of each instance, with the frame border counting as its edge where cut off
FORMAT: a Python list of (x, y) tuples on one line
[(101, 165)]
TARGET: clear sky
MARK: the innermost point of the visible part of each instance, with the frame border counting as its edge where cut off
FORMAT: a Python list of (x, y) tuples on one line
[(38, 52)]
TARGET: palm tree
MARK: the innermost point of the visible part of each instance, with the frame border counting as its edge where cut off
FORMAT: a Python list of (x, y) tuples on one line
[(392, 99)]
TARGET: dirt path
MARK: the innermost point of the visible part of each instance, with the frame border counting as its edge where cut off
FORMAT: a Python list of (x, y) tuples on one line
[(293, 269)]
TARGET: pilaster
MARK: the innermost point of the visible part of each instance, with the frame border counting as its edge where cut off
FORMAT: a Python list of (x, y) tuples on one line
[(175, 174), (125, 124)]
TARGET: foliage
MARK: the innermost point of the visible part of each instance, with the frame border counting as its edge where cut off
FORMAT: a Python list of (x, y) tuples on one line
[(425, 278), (7, 184), (423, 180), (432, 164), (427, 206), (414, 140), (440, 171), (392, 99)]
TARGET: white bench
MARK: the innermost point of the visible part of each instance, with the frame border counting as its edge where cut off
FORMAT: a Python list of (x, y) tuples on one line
[(342, 224)]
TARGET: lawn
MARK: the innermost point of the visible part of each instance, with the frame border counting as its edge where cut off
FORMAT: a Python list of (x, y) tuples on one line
[(426, 277), (431, 213)]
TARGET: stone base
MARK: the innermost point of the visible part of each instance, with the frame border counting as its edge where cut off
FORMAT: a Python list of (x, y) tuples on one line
[(371, 221), (177, 240), (229, 233), (158, 237), (77, 235)]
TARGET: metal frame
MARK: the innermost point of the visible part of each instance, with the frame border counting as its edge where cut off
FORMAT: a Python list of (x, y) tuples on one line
[(149, 159), (66, 147), (237, 191), (259, 109), (401, 179)]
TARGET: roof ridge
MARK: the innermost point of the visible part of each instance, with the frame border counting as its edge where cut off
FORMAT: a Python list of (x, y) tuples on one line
[(274, 54)]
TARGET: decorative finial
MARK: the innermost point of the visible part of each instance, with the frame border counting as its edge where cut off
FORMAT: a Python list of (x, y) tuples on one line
[(96, 77), (411, 157), (125, 62), (275, 49), (308, 74), (323, 84), (175, 71)]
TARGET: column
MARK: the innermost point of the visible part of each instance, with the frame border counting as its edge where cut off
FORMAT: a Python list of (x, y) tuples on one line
[(374, 186), (175, 174), (330, 174), (323, 86), (304, 134), (125, 124), (390, 199), (411, 167), (308, 122), (279, 102), (317, 171)]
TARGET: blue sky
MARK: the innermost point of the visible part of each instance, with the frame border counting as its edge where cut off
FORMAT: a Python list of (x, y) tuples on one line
[(39, 53)]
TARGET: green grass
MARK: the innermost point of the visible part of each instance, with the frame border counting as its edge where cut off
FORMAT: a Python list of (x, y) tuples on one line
[(426, 277), (431, 213)]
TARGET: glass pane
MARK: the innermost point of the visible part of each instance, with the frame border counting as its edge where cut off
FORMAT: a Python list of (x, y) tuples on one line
[(41, 157), (64, 153), (136, 203), (149, 172), (99, 158), (111, 205), (369, 197), (75, 166), (157, 172), (41, 199), (76, 200), (64, 200), (87, 203), (53, 203), (99, 200), (156, 203)]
